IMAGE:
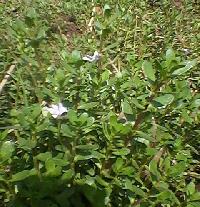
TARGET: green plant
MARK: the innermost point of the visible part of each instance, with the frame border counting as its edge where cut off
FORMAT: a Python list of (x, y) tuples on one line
[(128, 135)]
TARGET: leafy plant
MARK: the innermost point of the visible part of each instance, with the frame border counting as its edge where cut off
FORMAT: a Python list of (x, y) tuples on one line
[(127, 130)]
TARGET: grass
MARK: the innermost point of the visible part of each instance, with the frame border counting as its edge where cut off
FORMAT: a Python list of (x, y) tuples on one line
[(130, 136)]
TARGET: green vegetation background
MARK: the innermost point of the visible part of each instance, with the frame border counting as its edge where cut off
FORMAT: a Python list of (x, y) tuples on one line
[(131, 133)]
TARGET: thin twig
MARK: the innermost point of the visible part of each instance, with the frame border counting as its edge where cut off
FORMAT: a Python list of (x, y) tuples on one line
[(111, 62), (135, 35), (154, 129), (6, 77), (158, 155), (91, 22), (96, 10)]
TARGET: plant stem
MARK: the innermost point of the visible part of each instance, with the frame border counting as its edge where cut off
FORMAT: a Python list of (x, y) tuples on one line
[(59, 130)]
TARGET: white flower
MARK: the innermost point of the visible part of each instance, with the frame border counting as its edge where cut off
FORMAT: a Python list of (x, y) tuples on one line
[(186, 51), (55, 110), (92, 58)]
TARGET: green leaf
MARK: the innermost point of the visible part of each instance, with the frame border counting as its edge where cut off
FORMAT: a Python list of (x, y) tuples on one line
[(137, 104), (107, 12), (128, 171), (142, 140), (191, 188), (43, 126), (83, 118), (168, 195), (76, 55), (186, 116), (170, 56), (68, 175), (2, 178), (52, 169), (146, 136), (31, 12), (134, 188), (106, 7), (6, 150), (189, 65), (60, 75), (149, 72), (195, 196), (121, 152), (196, 103), (138, 191), (161, 186), (90, 121), (19, 26), (165, 99), (67, 131), (153, 168), (117, 165), (23, 175), (128, 184), (87, 147), (178, 169), (87, 106), (105, 75), (101, 181), (61, 162), (44, 156), (126, 108), (26, 144), (72, 116), (193, 204), (3, 135), (36, 111), (94, 155)]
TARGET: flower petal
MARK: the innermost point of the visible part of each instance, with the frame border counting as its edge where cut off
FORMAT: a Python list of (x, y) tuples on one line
[(92, 58), (61, 109), (88, 58), (55, 110)]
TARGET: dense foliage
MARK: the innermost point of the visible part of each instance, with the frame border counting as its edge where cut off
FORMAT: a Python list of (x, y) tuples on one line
[(130, 132)]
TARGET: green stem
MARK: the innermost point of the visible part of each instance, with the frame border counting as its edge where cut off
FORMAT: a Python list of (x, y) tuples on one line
[(35, 161), (59, 132), (73, 149), (36, 166)]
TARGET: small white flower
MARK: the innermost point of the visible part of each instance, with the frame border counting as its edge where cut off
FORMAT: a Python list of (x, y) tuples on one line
[(9, 142), (92, 58), (55, 110)]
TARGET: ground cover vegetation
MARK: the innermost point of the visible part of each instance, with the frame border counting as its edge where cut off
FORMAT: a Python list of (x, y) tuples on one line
[(119, 128)]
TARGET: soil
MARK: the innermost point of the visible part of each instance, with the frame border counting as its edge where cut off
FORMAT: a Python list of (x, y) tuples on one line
[(66, 25), (178, 4)]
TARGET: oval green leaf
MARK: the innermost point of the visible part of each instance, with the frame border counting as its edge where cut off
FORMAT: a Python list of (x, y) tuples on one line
[(189, 65), (149, 72), (165, 99)]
